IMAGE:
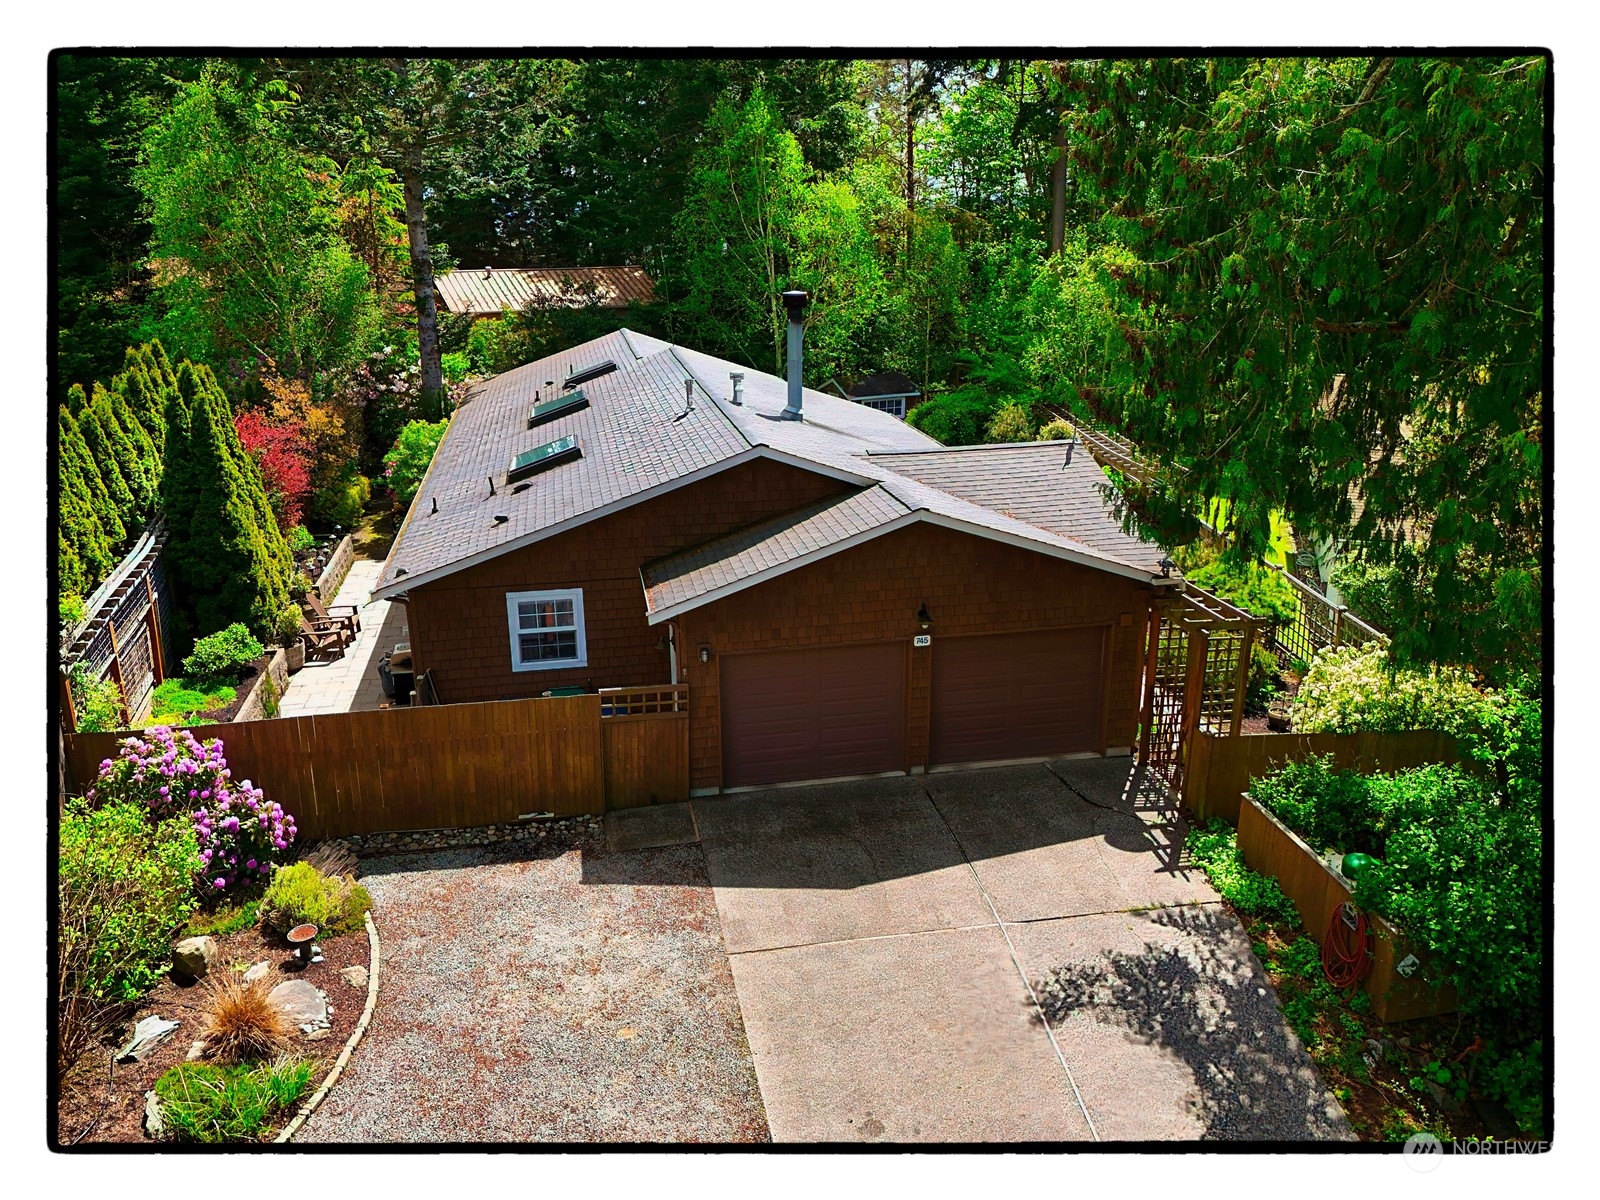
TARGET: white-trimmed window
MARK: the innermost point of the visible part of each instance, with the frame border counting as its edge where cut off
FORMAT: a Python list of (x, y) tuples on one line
[(546, 630)]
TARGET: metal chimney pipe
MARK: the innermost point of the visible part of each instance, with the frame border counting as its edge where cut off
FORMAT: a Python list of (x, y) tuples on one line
[(738, 386), (795, 303)]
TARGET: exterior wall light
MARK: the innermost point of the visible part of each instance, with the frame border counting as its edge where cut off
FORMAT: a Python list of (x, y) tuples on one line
[(705, 654), (923, 618)]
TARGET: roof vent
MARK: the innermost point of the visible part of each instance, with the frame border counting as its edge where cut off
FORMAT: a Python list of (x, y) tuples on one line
[(542, 458), (588, 373), (559, 406), (501, 518), (738, 386)]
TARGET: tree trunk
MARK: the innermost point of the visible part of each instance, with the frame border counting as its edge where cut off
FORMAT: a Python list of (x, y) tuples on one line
[(422, 283), (1058, 187), (911, 164)]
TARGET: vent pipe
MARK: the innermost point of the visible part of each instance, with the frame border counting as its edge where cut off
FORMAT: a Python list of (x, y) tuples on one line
[(795, 303), (738, 386)]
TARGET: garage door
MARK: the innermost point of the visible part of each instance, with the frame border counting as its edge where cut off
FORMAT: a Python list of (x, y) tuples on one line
[(1025, 695), (813, 714)]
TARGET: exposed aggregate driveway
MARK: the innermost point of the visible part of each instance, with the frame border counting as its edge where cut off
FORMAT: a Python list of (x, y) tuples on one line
[(527, 996)]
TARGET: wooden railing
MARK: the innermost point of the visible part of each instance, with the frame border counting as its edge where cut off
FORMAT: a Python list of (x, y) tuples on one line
[(643, 701), (1318, 624)]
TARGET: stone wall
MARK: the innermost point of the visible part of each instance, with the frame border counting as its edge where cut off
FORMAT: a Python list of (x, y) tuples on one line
[(338, 567), (254, 707)]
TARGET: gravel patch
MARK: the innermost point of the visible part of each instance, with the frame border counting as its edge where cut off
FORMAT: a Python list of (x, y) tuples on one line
[(548, 993)]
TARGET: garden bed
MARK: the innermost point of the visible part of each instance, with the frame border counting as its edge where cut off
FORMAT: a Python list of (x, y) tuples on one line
[(104, 1101)]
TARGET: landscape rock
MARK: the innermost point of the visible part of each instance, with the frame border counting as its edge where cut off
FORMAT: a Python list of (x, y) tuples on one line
[(301, 1002), (355, 976), (1441, 1097), (316, 1035), (197, 1050), (145, 1036), (154, 1126), (193, 957), (257, 971)]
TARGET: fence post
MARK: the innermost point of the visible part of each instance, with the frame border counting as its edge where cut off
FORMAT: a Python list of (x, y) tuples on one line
[(69, 712), (1338, 626), (1152, 648), (153, 624), (1194, 688), (1242, 680)]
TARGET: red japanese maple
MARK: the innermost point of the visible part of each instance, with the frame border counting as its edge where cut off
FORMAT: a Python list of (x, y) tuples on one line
[(279, 450)]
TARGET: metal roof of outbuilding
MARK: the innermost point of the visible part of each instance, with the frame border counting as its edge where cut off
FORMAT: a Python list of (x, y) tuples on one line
[(489, 291)]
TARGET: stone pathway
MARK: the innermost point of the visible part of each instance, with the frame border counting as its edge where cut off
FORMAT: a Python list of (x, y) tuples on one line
[(351, 684)]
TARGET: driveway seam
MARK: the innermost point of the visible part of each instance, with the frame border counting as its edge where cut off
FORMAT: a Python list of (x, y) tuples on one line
[(1017, 963)]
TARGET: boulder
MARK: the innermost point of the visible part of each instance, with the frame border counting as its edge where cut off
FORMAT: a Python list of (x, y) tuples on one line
[(193, 957), (146, 1034), (154, 1126), (258, 971), (300, 1002), (355, 976)]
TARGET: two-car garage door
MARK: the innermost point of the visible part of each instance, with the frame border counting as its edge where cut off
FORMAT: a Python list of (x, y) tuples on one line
[(841, 710)]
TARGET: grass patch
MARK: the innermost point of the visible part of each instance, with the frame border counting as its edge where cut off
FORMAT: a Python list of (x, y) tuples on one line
[(203, 1102), (177, 699), (226, 919)]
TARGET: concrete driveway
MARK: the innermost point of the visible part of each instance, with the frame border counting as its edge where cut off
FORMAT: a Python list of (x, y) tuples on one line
[(897, 943)]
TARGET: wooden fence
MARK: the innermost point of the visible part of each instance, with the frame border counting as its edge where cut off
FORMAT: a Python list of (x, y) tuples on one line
[(446, 766), (1219, 769), (1270, 847)]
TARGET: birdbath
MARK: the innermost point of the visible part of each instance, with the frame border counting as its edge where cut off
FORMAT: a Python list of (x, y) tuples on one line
[(303, 938)]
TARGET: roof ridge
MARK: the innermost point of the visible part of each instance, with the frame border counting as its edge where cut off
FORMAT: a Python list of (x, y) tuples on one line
[(716, 403), (962, 449)]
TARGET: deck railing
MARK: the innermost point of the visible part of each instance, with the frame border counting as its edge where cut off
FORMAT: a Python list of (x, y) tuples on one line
[(1318, 624)]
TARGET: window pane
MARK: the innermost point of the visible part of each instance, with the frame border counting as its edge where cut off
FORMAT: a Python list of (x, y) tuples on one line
[(548, 647), (545, 614)]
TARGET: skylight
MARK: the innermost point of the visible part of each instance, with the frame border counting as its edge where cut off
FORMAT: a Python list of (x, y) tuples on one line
[(542, 458), (558, 406), (589, 373)]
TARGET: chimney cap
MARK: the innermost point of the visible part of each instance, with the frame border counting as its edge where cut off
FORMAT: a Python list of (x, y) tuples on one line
[(795, 302)]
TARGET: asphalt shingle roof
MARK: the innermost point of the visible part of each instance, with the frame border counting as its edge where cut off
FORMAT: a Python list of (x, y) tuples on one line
[(638, 435), (750, 553)]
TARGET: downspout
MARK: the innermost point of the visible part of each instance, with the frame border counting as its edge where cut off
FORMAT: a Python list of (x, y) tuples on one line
[(672, 651)]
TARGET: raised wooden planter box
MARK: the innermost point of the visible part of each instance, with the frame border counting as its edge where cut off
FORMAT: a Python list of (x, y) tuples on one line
[(1272, 848)]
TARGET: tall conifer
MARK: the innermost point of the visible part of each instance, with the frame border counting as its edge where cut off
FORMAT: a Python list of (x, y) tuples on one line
[(83, 541), (103, 449)]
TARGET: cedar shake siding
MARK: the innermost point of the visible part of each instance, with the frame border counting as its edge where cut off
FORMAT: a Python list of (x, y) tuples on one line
[(458, 624), (871, 593)]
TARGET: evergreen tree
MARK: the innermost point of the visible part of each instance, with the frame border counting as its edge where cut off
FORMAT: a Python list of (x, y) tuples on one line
[(117, 457), (83, 542), (76, 401), (147, 459), (224, 545)]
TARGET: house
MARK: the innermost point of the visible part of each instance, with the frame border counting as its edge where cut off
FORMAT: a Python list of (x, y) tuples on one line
[(840, 594), (887, 391), (490, 291)]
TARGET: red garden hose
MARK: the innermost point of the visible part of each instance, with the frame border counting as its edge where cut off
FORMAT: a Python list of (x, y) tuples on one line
[(1347, 947)]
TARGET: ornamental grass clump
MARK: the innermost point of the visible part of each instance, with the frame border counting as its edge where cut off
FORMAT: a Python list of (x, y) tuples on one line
[(242, 1024), (240, 833), (205, 1102)]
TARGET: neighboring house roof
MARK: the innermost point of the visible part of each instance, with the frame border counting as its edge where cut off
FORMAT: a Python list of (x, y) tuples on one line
[(885, 385), (639, 438), (487, 292)]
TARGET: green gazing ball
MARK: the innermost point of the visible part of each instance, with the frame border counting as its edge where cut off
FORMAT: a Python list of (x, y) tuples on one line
[(1353, 864)]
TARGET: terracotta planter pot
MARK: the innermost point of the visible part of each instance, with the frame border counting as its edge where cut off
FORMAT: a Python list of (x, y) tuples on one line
[(295, 655)]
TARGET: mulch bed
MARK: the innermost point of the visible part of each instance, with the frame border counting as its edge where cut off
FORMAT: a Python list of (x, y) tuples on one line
[(103, 1100)]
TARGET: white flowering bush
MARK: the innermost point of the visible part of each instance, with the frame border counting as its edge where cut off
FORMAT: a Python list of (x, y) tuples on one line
[(1356, 689)]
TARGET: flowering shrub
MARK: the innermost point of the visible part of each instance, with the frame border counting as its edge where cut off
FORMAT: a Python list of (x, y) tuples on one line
[(172, 773), (1356, 689)]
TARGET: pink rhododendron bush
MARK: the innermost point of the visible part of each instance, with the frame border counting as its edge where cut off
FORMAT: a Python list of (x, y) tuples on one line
[(171, 773)]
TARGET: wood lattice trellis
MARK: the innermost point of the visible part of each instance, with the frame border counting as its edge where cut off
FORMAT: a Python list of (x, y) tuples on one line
[(1197, 666)]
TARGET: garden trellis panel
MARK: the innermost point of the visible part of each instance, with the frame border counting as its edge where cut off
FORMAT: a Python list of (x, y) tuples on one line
[(124, 636)]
